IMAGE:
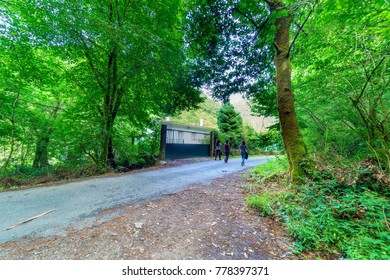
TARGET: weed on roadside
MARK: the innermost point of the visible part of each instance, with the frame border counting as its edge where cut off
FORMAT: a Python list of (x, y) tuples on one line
[(327, 215)]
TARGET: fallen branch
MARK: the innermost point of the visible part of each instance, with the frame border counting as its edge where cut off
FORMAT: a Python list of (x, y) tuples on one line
[(30, 219)]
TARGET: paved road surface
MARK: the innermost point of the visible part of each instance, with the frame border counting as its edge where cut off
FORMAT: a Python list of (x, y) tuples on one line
[(77, 204)]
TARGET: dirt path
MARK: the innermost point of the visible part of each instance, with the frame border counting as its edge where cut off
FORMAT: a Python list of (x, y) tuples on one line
[(76, 203), (207, 221)]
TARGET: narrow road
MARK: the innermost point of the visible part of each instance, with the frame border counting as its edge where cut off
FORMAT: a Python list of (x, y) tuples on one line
[(78, 204)]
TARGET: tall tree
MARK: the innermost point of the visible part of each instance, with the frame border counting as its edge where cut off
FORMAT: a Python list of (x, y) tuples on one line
[(230, 124), (125, 58), (234, 43)]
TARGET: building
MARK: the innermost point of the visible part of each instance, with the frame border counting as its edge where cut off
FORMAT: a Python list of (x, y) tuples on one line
[(179, 140)]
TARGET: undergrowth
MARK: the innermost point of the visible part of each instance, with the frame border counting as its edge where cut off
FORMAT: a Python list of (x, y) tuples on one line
[(336, 213), (20, 176), (29, 176)]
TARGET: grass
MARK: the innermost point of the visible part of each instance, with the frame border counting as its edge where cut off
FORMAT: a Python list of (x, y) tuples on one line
[(2, 188), (29, 176), (338, 219), (21, 176), (272, 168)]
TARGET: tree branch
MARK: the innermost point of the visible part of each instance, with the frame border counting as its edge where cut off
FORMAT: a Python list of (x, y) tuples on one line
[(97, 74), (246, 16), (369, 79), (301, 27), (272, 4), (94, 158)]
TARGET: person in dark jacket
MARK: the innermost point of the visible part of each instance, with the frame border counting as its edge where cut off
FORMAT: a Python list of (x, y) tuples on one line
[(243, 152), (218, 150), (227, 151)]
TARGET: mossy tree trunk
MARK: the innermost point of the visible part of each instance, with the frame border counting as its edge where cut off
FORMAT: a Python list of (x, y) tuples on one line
[(41, 158), (293, 141)]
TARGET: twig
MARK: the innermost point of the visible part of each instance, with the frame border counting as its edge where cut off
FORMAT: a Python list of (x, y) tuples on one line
[(369, 79), (30, 219)]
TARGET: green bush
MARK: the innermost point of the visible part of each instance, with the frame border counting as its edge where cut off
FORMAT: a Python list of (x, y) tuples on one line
[(265, 204), (272, 167), (329, 215), (347, 220)]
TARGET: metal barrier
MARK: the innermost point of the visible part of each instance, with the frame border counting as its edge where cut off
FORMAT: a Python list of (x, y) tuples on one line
[(177, 151)]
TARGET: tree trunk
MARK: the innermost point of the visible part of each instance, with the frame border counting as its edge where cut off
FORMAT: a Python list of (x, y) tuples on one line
[(109, 83), (112, 100), (293, 141), (41, 158), (12, 121), (111, 156), (104, 161)]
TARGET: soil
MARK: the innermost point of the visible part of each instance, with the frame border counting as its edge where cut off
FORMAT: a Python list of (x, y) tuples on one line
[(209, 221)]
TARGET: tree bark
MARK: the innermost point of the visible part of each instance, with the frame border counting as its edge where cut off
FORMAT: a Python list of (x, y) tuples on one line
[(112, 96), (293, 141), (41, 158), (111, 104), (12, 121)]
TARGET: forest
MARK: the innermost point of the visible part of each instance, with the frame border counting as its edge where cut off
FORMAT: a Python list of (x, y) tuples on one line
[(322, 69), (85, 83)]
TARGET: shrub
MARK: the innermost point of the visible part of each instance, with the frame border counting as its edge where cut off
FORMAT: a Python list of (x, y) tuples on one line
[(265, 203), (329, 214), (271, 168)]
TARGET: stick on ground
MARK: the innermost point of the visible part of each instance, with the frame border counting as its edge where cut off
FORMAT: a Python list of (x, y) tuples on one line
[(30, 219)]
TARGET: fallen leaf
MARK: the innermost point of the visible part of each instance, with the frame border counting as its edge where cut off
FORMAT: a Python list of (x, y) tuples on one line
[(138, 225)]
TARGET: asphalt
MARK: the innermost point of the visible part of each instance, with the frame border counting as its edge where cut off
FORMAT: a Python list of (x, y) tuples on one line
[(79, 204)]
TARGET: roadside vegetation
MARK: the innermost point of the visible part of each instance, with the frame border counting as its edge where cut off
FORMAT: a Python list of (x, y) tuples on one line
[(343, 212), (77, 100), (323, 69), (131, 153)]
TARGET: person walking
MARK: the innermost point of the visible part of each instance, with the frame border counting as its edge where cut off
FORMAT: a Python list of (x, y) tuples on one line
[(243, 152), (218, 150), (227, 151)]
